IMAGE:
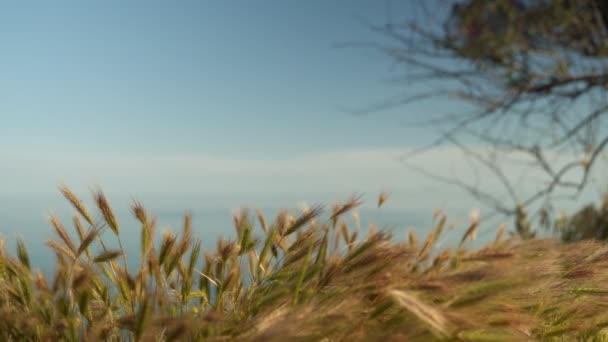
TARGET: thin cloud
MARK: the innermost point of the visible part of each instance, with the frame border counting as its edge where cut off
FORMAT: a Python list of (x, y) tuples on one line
[(337, 173)]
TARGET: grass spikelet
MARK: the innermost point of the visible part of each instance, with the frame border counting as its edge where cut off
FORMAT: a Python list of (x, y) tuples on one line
[(194, 258), (88, 239), (302, 239), (353, 239), (22, 254), (40, 282), (281, 221), (589, 290), (240, 218), (61, 249), (106, 211), (365, 246), (62, 233), (428, 243), (432, 317), (337, 235), (147, 233), (139, 212), (262, 220), (270, 238), (107, 256), (344, 232), (227, 249), (470, 233), (230, 280), (305, 218), (340, 209), (412, 238), (184, 244), (252, 264), (357, 220), (76, 203), (382, 198), (479, 292), (441, 259), (440, 227), (322, 252), (79, 229), (166, 247), (302, 273)]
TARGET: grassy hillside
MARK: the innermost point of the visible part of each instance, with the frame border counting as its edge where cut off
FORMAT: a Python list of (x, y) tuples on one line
[(299, 278)]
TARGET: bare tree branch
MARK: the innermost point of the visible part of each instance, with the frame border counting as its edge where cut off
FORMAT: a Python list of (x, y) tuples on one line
[(537, 73)]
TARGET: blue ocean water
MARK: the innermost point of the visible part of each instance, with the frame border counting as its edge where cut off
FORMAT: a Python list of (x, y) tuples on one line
[(26, 216)]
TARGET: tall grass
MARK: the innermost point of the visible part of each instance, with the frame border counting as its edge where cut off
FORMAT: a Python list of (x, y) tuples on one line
[(297, 277)]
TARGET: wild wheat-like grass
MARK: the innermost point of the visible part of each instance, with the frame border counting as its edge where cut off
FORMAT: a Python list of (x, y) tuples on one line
[(300, 277)]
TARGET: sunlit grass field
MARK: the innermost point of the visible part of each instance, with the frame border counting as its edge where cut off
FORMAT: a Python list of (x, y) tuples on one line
[(300, 277)]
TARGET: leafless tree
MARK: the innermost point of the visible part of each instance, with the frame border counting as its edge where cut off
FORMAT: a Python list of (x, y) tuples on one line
[(533, 76)]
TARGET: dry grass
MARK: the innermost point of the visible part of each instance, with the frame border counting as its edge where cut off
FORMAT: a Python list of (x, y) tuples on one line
[(299, 278)]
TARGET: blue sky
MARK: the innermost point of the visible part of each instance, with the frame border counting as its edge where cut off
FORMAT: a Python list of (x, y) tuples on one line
[(233, 101), (89, 87), (224, 78)]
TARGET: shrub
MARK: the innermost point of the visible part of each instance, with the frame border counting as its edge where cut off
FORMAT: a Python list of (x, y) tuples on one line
[(588, 223)]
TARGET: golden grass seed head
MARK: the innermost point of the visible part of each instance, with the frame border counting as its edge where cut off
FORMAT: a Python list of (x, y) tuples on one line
[(40, 282), (304, 219), (76, 203), (139, 212), (262, 220), (79, 229), (412, 238), (106, 211), (382, 198), (62, 233), (107, 256), (22, 254), (166, 247), (61, 249), (186, 235), (88, 240)]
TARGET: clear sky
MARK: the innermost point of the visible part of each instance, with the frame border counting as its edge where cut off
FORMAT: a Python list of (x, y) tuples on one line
[(110, 91), (238, 78), (233, 100)]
